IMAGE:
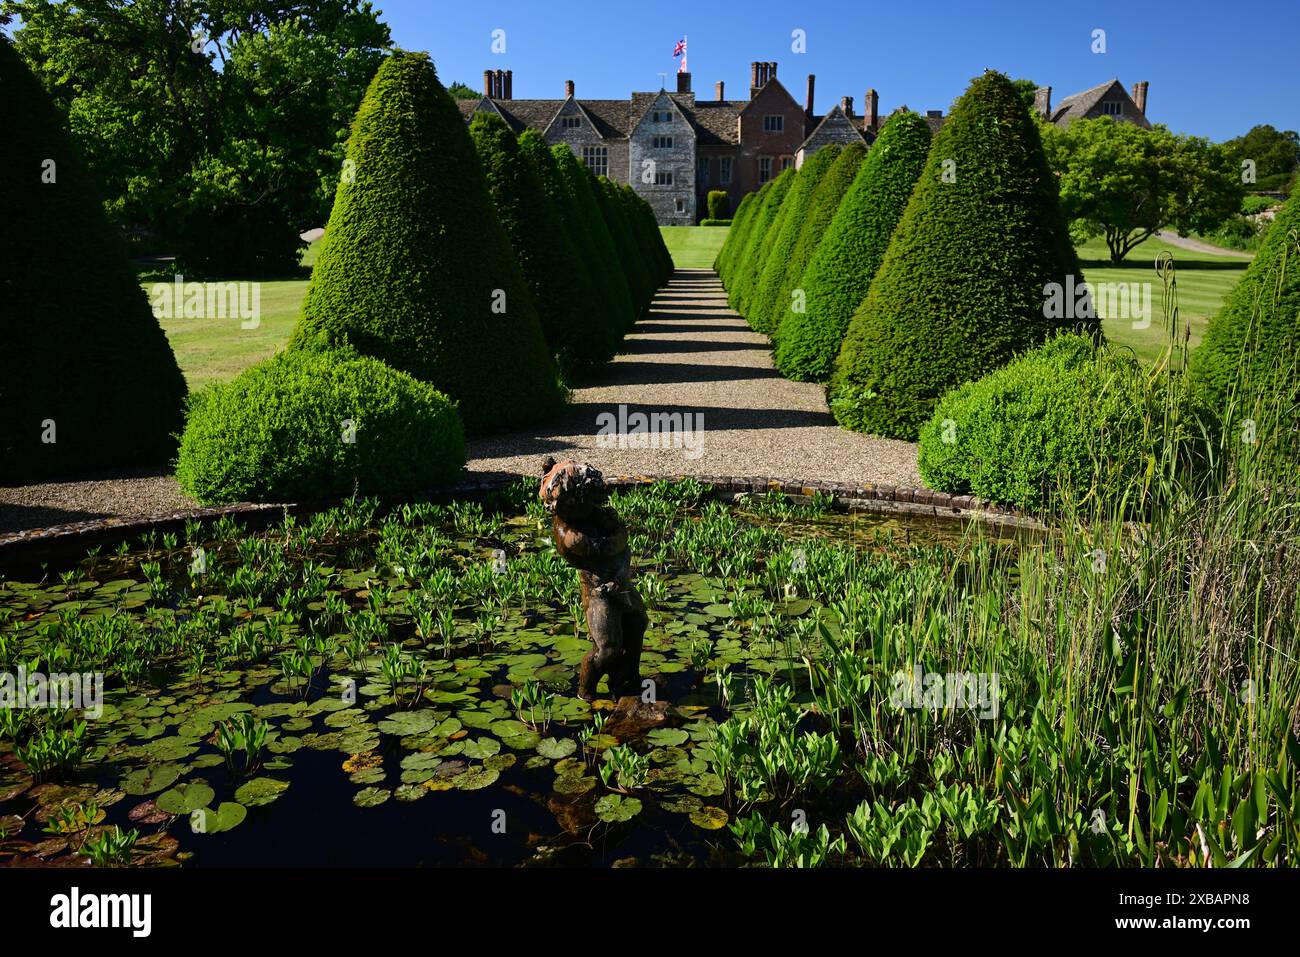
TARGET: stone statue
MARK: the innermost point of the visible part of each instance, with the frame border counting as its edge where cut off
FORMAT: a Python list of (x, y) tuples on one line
[(593, 539)]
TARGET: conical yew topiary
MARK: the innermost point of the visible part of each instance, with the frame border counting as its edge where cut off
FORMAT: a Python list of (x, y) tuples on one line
[(602, 303), (415, 267), (961, 288), (639, 281), (841, 270), (750, 262), (735, 236), (90, 381), (785, 234), (582, 189), (822, 207), (557, 277), (1251, 346)]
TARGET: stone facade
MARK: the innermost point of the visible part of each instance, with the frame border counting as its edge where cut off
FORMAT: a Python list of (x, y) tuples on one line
[(661, 154), (734, 145)]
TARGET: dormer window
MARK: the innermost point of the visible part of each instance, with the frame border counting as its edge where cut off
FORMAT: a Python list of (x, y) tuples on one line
[(1112, 107), (570, 122), (661, 116)]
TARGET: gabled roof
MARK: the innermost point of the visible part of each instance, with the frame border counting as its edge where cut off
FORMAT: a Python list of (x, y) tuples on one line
[(1078, 105), (835, 127), (715, 121), (643, 103), (776, 83), (609, 117)]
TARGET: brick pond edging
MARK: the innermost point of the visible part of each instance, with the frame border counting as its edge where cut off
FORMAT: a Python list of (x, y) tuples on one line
[(70, 541)]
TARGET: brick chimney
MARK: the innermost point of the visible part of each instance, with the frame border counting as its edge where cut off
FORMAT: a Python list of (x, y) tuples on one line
[(846, 104), (1140, 96), (808, 99), (683, 82), (508, 92), (568, 89), (871, 109), (753, 79), (719, 89), (487, 83), (1043, 102)]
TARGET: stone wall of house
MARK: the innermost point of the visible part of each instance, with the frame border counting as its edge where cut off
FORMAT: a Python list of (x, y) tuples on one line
[(586, 135), (673, 205)]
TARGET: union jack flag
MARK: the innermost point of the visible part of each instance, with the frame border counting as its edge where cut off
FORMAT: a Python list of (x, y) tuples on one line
[(680, 48)]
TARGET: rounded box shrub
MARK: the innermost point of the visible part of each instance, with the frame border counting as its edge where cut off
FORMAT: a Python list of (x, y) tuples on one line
[(1067, 416), (718, 204), (315, 423)]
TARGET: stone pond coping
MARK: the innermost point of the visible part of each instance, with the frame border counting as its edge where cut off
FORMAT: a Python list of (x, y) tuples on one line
[(70, 542)]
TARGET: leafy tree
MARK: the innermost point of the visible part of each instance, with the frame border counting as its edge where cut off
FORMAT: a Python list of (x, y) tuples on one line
[(840, 272), (785, 233), (961, 288), (217, 125), (89, 379), (460, 91), (1026, 90), (415, 268), (1275, 153), (822, 207), (1124, 182)]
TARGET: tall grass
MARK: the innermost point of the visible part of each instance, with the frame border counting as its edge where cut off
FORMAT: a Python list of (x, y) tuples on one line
[(1146, 655)]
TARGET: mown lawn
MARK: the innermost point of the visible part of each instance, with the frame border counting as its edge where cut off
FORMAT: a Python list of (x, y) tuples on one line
[(694, 247), (215, 350), (1203, 281)]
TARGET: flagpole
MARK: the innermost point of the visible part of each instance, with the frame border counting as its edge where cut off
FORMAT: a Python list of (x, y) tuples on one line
[(685, 52)]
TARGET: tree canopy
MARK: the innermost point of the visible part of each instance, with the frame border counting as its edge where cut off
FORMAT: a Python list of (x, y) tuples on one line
[(215, 125), (1125, 183)]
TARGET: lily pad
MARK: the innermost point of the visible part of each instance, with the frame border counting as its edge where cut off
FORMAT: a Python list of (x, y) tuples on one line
[(227, 816), (260, 791), (371, 797), (615, 808), (556, 748), (185, 798), (710, 818), (151, 779)]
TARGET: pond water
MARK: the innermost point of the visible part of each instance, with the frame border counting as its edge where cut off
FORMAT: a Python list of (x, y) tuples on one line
[(367, 688)]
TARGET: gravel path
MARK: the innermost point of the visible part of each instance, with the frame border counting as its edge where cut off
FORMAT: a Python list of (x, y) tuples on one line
[(690, 359), (693, 356), (1197, 246)]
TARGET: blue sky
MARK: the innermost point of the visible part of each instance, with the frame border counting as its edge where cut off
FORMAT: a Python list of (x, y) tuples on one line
[(1215, 68)]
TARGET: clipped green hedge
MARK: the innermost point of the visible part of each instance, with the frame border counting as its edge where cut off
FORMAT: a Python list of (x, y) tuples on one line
[(602, 302), (715, 222), (823, 204), (739, 225), (645, 233), (85, 362), (557, 277), (1068, 417), (749, 264), (840, 272), (416, 268), (718, 204), (779, 247), (1251, 347), (607, 263), (318, 423), (640, 282)]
